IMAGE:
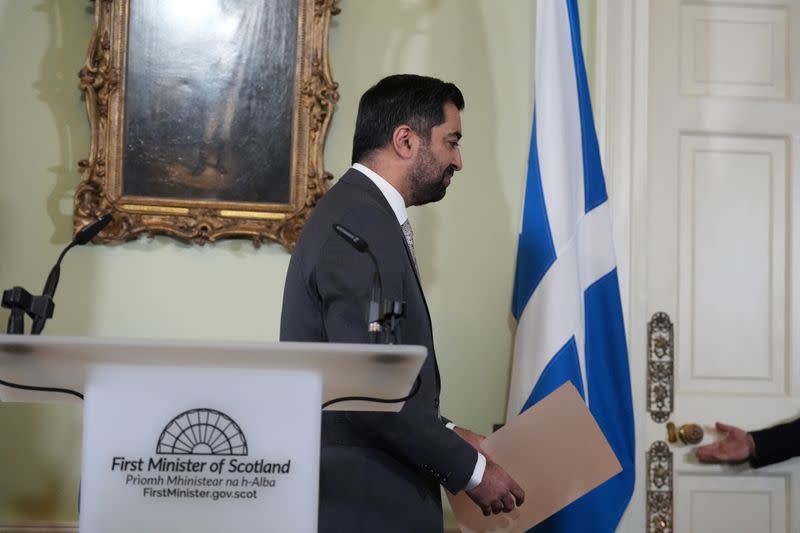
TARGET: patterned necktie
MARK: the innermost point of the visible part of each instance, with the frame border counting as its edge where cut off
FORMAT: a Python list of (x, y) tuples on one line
[(409, 235)]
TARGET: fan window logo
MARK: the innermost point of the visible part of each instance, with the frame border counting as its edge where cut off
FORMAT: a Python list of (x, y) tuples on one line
[(202, 432)]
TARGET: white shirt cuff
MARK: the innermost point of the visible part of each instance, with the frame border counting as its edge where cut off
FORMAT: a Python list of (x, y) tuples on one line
[(480, 466), (477, 474)]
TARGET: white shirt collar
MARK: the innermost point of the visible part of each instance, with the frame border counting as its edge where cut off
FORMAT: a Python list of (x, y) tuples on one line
[(396, 201)]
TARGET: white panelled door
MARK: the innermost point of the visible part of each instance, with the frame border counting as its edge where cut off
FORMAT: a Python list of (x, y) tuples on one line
[(722, 245)]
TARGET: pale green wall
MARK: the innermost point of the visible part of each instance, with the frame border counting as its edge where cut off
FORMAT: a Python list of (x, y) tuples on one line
[(160, 288)]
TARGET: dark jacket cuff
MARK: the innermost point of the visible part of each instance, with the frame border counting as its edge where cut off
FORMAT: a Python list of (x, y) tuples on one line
[(776, 444)]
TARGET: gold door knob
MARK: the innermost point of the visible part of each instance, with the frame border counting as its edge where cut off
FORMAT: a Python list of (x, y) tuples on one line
[(687, 433)]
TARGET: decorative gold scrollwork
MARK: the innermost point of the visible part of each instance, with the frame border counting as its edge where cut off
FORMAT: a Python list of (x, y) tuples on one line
[(103, 78), (659, 489), (660, 367)]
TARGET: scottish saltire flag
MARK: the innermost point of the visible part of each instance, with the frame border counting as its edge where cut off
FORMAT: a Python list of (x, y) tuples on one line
[(566, 293)]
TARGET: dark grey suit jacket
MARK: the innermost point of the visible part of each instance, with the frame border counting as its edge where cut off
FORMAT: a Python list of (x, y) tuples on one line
[(378, 471)]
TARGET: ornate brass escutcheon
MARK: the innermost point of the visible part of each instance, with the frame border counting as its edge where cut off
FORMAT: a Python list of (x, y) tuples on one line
[(687, 433), (659, 488), (660, 367)]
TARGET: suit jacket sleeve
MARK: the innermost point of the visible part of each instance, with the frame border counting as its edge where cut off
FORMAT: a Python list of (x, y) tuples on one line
[(776, 444), (342, 279)]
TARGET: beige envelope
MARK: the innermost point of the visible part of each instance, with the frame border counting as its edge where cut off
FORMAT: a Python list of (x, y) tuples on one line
[(555, 450)]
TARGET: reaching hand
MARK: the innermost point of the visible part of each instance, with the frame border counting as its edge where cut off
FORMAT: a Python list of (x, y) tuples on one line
[(736, 446), (497, 492)]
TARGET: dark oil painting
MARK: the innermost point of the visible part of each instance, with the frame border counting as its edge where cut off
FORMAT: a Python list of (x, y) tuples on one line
[(209, 100)]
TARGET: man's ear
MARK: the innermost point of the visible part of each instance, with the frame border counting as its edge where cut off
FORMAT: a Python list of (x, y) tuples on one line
[(404, 141)]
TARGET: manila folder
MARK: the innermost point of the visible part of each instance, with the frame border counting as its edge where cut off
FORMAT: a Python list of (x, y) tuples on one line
[(556, 452)]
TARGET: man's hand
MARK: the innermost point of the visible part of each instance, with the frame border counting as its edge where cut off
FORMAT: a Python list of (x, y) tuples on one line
[(736, 446), (474, 439), (497, 492)]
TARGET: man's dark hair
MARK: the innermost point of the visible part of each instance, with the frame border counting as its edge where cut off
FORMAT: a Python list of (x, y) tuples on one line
[(401, 99)]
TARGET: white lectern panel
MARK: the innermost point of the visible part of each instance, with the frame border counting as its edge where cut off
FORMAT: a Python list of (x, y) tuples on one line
[(201, 450)]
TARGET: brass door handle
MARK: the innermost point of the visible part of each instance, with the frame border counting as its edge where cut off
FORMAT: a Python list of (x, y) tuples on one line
[(687, 433)]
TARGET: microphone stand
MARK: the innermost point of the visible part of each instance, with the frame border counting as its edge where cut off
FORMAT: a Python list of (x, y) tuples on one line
[(20, 302), (383, 315), (391, 313), (40, 315), (40, 308)]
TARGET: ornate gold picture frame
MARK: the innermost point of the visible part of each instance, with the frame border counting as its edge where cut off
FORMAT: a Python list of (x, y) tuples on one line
[(208, 118)]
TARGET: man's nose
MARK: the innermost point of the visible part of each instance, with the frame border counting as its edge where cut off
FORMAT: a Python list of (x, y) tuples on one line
[(457, 163)]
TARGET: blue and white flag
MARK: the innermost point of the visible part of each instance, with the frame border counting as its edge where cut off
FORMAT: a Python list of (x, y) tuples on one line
[(566, 293)]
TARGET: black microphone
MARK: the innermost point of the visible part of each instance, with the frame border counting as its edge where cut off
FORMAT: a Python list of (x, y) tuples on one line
[(355, 241), (374, 309), (89, 231), (43, 306)]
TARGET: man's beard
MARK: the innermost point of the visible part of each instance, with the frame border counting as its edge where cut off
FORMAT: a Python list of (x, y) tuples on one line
[(428, 181)]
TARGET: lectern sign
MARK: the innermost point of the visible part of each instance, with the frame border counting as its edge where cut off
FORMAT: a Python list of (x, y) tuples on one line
[(181, 451), (200, 432)]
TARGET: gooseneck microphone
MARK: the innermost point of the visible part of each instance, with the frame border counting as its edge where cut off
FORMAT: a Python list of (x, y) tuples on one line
[(40, 308), (382, 317), (86, 234), (374, 309)]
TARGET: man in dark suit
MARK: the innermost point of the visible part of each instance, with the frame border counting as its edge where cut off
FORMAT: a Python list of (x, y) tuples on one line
[(763, 447), (382, 471)]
